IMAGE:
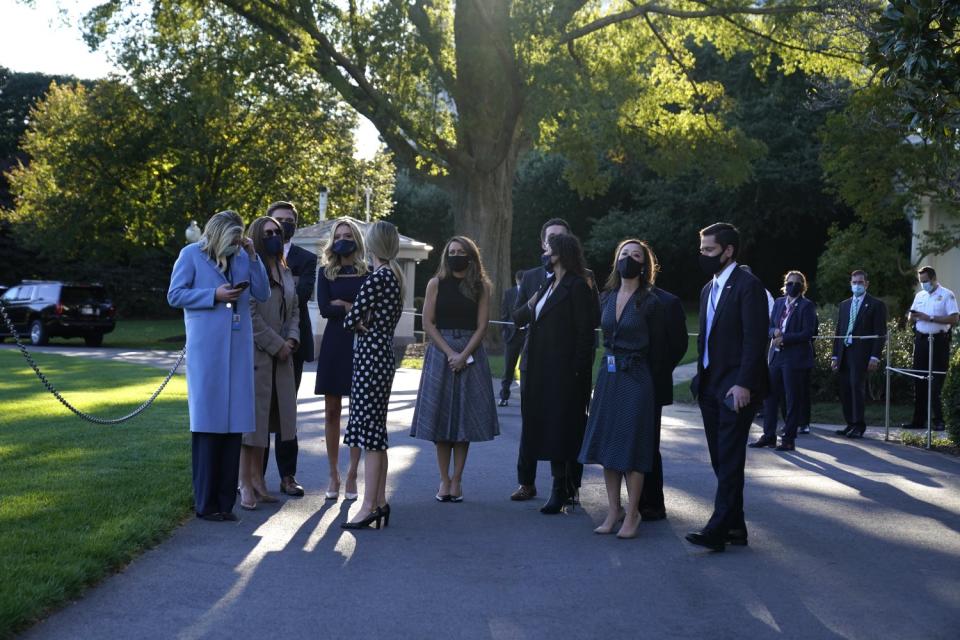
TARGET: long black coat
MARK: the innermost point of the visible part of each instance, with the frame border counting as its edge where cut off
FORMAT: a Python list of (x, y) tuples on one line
[(556, 392)]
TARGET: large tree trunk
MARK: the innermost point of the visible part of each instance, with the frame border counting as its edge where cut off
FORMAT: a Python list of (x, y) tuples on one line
[(483, 212)]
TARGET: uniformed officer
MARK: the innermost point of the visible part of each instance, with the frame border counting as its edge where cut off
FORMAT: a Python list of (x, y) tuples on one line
[(934, 313)]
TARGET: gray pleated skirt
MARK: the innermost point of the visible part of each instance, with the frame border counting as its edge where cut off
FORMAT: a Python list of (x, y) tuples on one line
[(455, 407)]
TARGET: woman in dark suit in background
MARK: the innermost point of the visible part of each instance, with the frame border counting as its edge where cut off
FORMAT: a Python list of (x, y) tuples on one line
[(561, 319), (793, 323)]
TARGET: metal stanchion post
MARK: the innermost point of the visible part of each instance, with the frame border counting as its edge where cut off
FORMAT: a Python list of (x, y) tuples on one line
[(929, 389), (886, 412)]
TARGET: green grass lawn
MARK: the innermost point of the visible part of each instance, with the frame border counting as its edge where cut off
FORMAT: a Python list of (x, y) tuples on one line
[(78, 501), (166, 334), (825, 412)]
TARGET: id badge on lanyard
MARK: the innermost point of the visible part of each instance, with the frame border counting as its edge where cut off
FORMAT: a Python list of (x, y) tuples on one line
[(611, 364), (236, 322)]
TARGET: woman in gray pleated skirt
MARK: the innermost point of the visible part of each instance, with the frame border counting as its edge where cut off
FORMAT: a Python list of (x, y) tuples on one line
[(455, 404)]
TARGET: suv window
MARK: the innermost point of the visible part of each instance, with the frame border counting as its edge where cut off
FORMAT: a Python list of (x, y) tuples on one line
[(80, 295), (26, 293), (11, 294), (48, 292)]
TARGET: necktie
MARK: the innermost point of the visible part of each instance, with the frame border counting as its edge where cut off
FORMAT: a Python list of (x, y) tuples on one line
[(711, 311), (854, 308)]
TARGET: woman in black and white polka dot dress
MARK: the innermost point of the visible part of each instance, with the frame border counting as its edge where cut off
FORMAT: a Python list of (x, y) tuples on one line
[(374, 317)]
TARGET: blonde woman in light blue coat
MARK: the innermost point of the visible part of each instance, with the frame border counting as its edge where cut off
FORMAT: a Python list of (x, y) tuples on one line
[(212, 282)]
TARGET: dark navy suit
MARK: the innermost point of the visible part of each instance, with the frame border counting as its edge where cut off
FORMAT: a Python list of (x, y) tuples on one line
[(789, 365), (737, 350)]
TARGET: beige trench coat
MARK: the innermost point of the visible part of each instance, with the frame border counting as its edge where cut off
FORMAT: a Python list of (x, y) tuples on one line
[(274, 322)]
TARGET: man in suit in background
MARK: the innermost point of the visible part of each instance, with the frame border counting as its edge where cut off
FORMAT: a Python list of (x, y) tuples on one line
[(651, 497), (860, 315), (513, 337), (303, 264), (731, 376), (530, 283)]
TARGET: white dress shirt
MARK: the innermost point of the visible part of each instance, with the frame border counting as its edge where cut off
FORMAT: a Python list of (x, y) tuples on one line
[(939, 302)]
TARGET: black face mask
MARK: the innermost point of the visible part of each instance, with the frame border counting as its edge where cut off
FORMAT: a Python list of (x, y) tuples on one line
[(628, 268), (547, 262), (289, 228), (793, 289), (344, 247), (458, 263), (273, 246), (711, 265)]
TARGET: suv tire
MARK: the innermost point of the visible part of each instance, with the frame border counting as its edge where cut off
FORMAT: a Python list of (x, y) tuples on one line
[(38, 334), (93, 339)]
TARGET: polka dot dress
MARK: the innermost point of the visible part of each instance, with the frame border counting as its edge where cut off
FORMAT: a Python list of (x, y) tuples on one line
[(378, 306)]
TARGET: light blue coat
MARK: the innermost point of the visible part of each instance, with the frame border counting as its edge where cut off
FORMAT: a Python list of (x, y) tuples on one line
[(220, 391)]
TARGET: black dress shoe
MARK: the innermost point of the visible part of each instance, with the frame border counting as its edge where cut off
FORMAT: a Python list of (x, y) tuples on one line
[(559, 496), (503, 402), (737, 537), (804, 428), (856, 432), (230, 516), (843, 432), (212, 517), (652, 515), (786, 446), (763, 441), (709, 540)]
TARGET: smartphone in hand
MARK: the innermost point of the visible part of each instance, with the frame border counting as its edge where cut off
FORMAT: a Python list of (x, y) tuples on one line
[(242, 285)]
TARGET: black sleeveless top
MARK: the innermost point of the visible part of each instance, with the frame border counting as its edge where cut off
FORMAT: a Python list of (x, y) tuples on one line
[(455, 310)]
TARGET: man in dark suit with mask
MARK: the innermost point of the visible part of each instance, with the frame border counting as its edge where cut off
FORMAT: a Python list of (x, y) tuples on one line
[(651, 497), (731, 376), (303, 265), (512, 335), (859, 315)]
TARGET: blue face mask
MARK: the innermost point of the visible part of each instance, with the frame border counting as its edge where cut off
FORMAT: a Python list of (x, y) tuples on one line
[(858, 289), (927, 286)]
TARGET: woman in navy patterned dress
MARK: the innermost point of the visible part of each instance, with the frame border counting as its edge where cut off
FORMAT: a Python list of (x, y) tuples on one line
[(344, 271), (621, 429), (374, 317)]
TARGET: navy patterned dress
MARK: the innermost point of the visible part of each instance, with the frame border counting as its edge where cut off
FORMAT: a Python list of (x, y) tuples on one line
[(378, 307), (335, 361), (621, 429)]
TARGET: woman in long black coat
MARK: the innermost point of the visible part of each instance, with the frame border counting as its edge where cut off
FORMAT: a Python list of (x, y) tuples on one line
[(560, 346)]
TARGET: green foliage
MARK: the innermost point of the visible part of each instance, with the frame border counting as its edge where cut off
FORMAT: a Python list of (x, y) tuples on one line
[(951, 397), (916, 50), (204, 122)]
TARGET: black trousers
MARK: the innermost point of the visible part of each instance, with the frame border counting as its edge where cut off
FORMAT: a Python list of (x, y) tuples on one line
[(216, 471), (569, 472), (286, 451), (651, 498), (787, 388), (511, 353), (921, 360), (853, 392), (726, 433)]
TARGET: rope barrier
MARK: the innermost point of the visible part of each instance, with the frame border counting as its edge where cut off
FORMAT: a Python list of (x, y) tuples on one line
[(56, 394)]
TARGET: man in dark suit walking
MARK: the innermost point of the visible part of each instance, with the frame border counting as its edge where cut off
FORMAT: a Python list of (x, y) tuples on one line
[(651, 497), (513, 337), (731, 376), (860, 315), (303, 264), (530, 284)]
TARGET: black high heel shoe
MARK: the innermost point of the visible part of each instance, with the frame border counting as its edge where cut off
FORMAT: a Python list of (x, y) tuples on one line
[(856, 432), (385, 512), (374, 517)]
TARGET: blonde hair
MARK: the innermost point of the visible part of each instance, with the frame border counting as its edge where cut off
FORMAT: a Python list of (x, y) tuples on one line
[(221, 232), (476, 282), (383, 241), (332, 263), (803, 281)]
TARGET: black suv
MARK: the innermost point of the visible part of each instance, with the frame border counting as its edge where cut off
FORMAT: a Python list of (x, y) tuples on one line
[(44, 309)]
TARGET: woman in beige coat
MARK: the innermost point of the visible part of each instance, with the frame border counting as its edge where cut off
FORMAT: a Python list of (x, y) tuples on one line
[(276, 335)]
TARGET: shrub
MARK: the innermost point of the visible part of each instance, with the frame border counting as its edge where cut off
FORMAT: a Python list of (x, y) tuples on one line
[(951, 398)]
